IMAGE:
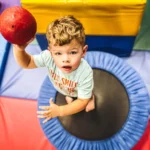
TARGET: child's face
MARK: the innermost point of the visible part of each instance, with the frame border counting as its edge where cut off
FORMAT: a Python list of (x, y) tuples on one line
[(68, 57)]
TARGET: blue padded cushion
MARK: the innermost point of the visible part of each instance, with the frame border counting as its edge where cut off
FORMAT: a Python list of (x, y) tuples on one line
[(4, 51)]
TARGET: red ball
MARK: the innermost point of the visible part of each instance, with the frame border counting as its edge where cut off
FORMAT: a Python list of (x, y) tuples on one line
[(17, 25)]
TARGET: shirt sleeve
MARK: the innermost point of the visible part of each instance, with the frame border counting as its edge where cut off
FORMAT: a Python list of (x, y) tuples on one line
[(42, 59), (85, 87)]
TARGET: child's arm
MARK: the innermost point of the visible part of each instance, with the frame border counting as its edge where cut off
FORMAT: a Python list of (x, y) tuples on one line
[(74, 107), (22, 58), (54, 110)]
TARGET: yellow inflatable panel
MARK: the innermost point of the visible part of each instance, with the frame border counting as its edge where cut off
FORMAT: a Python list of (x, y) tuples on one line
[(99, 17)]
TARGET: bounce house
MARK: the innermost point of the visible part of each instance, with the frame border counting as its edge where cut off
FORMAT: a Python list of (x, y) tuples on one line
[(117, 33)]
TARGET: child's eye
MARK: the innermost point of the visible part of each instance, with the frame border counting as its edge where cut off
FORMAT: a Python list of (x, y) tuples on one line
[(57, 53), (73, 52)]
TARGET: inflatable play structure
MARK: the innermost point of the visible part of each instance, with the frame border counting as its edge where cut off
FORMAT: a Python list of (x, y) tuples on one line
[(118, 53)]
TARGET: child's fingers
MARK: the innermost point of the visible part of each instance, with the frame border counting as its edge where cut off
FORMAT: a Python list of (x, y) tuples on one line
[(47, 107), (47, 119), (41, 112), (41, 116), (31, 40), (44, 107), (44, 116), (44, 112), (51, 100)]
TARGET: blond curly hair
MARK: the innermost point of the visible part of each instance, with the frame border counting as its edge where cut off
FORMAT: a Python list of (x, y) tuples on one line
[(63, 30)]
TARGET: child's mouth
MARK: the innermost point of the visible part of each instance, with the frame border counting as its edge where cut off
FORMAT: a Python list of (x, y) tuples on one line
[(67, 68)]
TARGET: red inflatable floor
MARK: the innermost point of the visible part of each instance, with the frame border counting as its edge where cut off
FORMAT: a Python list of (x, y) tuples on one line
[(20, 128)]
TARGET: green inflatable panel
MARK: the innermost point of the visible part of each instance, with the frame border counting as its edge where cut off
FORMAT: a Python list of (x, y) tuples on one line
[(142, 41)]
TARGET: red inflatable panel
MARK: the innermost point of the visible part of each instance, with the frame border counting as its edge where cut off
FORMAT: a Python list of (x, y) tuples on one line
[(144, 143), (19, 126)]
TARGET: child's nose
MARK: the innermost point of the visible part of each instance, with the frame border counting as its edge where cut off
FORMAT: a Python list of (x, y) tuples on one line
[(66, 59)]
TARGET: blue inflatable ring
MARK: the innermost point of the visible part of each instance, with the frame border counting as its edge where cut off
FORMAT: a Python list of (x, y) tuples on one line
[(137, 119)]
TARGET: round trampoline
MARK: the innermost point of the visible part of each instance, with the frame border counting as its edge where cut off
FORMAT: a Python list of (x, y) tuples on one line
[(121, 112)]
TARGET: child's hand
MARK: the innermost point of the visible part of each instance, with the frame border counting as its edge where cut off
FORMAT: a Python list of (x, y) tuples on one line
[(23, 46), (49, 112)]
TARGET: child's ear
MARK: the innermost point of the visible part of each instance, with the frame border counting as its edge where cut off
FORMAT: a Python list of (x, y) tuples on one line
[(84, 50), (49, 49)]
